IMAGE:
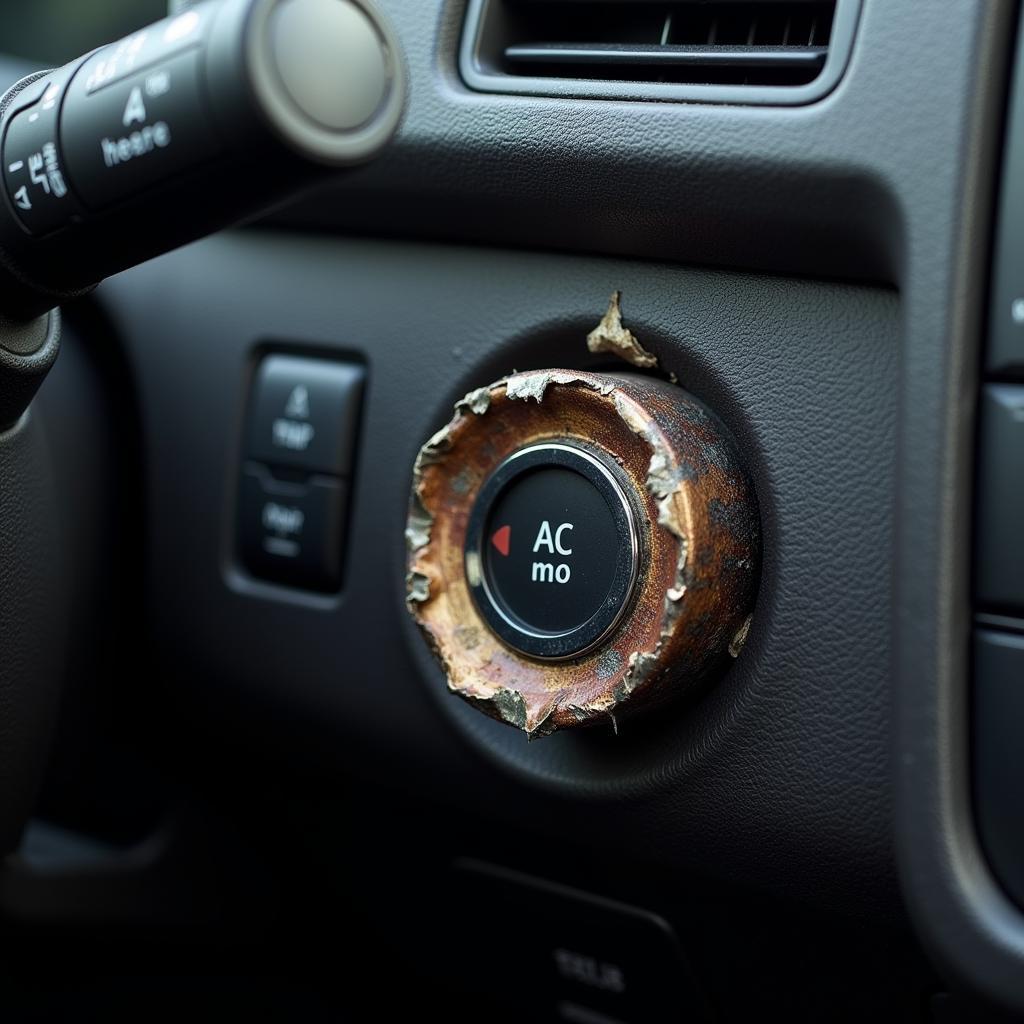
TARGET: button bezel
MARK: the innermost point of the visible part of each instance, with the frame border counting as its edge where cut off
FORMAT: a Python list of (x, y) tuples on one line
[(576, 642)]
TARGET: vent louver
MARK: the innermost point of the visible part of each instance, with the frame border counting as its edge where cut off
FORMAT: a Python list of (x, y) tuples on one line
[(768, 51)]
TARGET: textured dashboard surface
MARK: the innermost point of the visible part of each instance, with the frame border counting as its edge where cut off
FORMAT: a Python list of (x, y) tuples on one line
[(854, 405), (780, 776), (33, 618), (889, 178), (854, 185)]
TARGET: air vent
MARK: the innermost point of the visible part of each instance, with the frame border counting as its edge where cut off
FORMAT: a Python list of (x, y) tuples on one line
[(766, 51)]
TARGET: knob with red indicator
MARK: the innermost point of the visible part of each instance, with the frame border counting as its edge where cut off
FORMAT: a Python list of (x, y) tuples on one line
[(594, 552)]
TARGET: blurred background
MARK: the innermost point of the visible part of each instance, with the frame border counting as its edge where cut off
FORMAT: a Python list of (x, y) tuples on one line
[(52, 32)]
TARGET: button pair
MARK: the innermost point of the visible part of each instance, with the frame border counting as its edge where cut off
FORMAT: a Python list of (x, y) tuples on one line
[(300, 442)]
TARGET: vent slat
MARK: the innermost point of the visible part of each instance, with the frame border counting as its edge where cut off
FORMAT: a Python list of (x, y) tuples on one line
[(653, 56)]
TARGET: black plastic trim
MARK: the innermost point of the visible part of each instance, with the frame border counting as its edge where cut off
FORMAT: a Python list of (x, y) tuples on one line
[(960, 911)]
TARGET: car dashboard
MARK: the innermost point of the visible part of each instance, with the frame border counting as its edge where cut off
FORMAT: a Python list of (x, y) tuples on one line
[(260, 780)]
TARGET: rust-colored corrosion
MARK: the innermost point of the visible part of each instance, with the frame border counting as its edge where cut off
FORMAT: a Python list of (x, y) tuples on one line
[(700, 545)]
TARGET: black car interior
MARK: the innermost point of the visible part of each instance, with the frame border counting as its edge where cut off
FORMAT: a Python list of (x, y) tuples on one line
[(512, 510)]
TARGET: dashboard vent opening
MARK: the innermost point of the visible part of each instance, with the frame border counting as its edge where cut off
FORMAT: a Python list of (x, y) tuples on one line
[(659, 50), (698, 43)]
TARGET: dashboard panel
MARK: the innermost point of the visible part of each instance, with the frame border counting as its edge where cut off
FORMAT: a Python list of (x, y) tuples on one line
[(815, 274)]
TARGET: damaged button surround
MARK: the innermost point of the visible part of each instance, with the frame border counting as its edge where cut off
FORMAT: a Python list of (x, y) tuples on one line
[(553, 550), (697, 519)]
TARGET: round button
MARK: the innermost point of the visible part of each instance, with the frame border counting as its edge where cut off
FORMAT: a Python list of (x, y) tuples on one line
[(330, 58), (552, 550), (327, 75), (566, 579)]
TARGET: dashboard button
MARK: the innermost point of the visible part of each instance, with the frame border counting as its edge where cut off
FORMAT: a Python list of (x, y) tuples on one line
[(292, 533), (577, 956), (580, 546), (305, 413), (1006, 315), (552, 550), (999, 754), (1000, 546)]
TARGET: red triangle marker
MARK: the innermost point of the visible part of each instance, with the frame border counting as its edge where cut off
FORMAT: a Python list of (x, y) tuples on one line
[(502, 538)]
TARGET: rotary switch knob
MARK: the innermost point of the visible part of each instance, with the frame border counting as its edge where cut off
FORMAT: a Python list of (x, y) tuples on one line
[(580, 546)]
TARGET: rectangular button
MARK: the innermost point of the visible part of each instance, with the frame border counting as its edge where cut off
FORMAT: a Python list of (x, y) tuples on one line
[(999, 754), (292, 533), (305, 413), (575, 957), (1006, 317), (1000, 541)]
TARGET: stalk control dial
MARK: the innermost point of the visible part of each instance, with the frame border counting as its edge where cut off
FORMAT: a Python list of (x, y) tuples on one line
[(181, 128)]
